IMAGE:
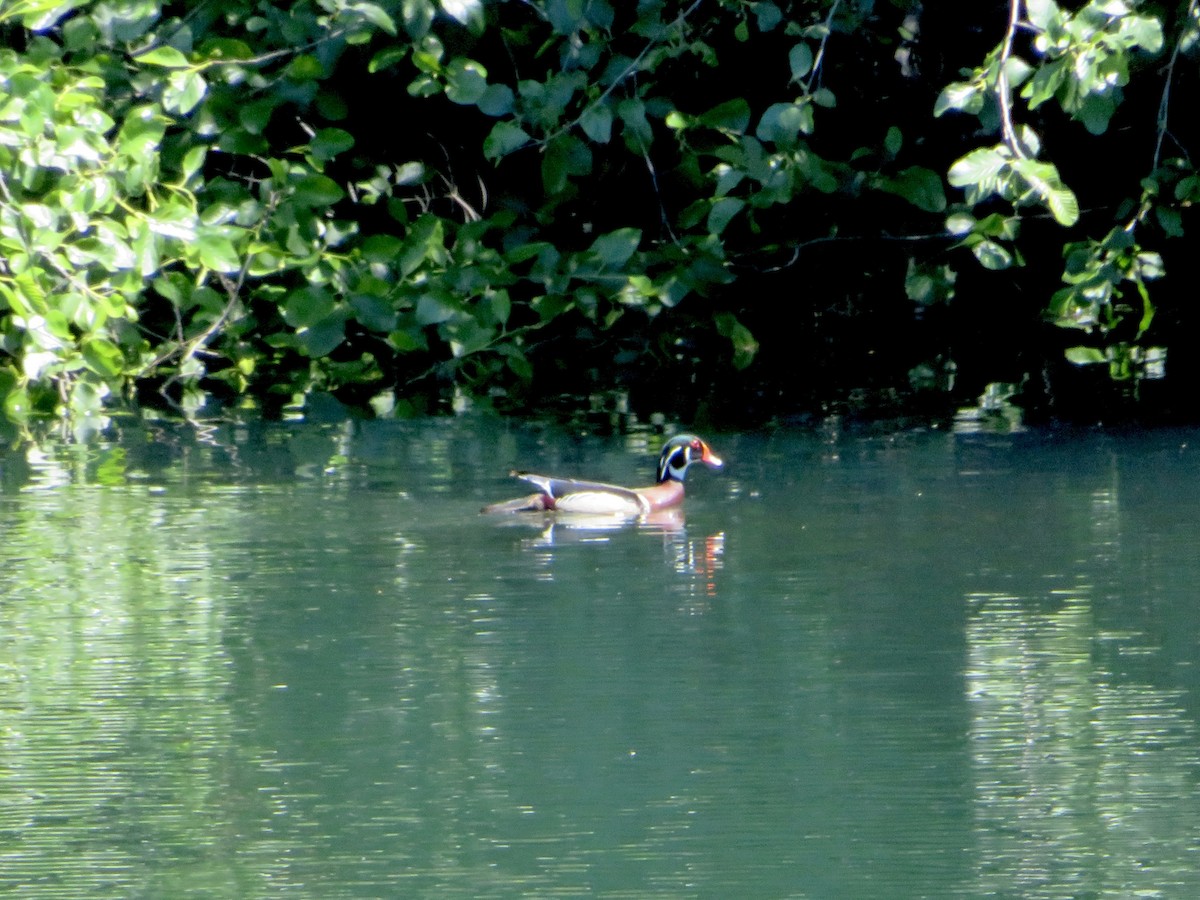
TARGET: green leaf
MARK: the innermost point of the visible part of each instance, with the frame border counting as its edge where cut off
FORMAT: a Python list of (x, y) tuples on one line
[(387, 57), (467, 336), (1044, 181), (322, 338), (382, 248), (1063, 205), (722, 213), (308, 306), (376, 16), (1043, 14), (565, 156), (597, 122), (1048, 78), (226, 49), (500, 307), (745, 347), (466, 81), (960, 223), (184, 90), (217, 253), (192, 161), (964, 96), (167, 57), (329, 142), (103, 357), (1083, 356), (893, 141), (305, 68), (767, 14), (1147, 309), (979, 167), (505, 137), (1017, 71), (919, 186), (497, 100), (800, 58), (317, 190), (782, 123), (434, 308), (1146, 32), (824, 98), (16, 397), (731, 116), (374, 313), (992, 255), (638, 134), (470, 13), (615, 248), (1170, 220)]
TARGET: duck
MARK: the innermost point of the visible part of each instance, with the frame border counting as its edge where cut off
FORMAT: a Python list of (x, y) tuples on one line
[(594, 498)]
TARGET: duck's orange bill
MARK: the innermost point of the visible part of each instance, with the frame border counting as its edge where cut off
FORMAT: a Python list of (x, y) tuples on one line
[(709, 458)]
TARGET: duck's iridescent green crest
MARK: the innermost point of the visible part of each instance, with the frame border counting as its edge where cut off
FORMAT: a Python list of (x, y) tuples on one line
[(597, 498)]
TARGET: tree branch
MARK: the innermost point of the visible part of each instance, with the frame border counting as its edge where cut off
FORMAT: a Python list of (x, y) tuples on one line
[(1003, 91), (1164, 103)]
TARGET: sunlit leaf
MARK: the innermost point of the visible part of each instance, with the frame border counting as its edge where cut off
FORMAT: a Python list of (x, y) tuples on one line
[(463, 11), (376, 15), (1083, 356), (963, 96), (184, 90), (217, 253), (977, 167), (992, 255), (103, 357), (165, 56)]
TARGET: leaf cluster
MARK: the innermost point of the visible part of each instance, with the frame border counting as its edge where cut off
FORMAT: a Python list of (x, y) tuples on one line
[(407, 199)]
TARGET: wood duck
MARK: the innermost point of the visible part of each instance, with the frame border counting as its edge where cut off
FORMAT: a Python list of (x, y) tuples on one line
[(594, 498)]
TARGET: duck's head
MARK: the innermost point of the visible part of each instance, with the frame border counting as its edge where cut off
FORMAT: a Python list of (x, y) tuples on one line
[(680, 452)]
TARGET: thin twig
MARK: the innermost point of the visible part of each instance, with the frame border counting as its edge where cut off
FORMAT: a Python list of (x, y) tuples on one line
[(1164, 103), (1003, 92), (820, 55), (849, 239)]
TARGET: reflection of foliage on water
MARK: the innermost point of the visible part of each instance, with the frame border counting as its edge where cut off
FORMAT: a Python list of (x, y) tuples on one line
[(1073, 765), (114, 714)]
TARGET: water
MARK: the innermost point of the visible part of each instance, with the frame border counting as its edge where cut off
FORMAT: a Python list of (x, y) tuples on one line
[(293, 660)]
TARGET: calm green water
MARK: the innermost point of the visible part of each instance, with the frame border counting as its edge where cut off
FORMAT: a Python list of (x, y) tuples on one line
[(292, 660)]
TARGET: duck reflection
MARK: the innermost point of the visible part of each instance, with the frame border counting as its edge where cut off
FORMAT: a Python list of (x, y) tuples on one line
[(697, 559)]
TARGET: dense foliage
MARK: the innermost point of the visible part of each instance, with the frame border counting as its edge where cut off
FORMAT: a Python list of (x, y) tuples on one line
[(409, 203)]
